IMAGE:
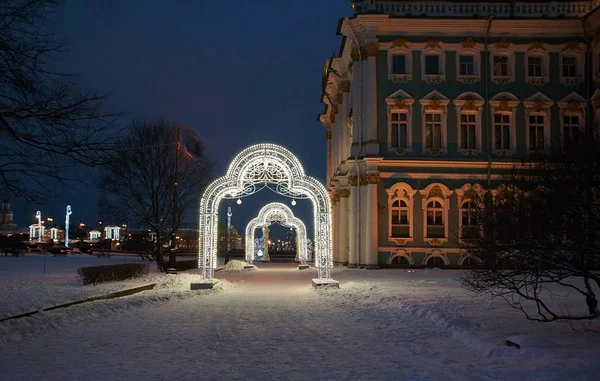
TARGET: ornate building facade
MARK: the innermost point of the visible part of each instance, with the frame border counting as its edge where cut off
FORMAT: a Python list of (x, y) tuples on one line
[(6, 219), (428, 100)]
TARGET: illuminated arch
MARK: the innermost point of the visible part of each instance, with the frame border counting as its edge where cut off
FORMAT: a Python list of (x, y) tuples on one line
[(282, 214), (257, 167)]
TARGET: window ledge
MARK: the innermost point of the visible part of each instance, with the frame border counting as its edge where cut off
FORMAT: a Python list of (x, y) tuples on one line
[(537, 81), (571, 81), (435, 151), (470, 152), (503, 152), (468, 79), (400, 240), (435, 241), (400, 78), (433, 78), (502, 79), (400, 151)]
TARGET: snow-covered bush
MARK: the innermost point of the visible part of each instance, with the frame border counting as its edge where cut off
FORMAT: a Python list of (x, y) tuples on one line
[(99, 274)]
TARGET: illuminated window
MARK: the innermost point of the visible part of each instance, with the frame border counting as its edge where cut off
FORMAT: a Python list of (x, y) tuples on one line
[(399, 130), (502, 127), (433, 130), (468, 131), (435, 220), (399, 219)]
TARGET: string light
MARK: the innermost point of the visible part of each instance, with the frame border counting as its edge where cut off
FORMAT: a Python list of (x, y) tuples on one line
[(256, 165), (293, 202), (239, 201)]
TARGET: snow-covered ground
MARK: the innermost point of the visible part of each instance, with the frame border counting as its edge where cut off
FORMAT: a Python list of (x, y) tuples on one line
[(270, 324)]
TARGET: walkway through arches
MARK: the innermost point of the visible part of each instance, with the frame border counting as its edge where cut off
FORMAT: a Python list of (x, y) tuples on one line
[(253, 169), (277, 212)]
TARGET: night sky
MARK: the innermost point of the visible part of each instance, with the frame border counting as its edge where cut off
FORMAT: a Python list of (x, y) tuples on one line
[(240, 72)]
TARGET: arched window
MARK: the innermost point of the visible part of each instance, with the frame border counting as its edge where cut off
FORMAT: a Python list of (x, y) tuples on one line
[(469, 222), (400, 219), (435, 261), (435, 219), (400, 260)]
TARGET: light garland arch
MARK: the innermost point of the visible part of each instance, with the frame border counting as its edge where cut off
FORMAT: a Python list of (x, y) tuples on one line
[(255, 168), (277, 212)]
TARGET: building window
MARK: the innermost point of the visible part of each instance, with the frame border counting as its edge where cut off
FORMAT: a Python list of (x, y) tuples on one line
[(502, 129), (534, 67), (433, 63), (571, 131), (571, 67), (399, 130), (468, 132), (435, 220), (399, 219), (502, 63), (400, 65), (469, 221), (537, 124), (433, 130), (400, 206), (501, 66), (466, 65)]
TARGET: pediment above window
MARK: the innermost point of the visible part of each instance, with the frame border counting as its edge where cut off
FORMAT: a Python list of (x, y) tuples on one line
[(400, 100)]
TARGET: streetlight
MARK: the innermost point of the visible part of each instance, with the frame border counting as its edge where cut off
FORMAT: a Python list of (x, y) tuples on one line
[(38, 215)]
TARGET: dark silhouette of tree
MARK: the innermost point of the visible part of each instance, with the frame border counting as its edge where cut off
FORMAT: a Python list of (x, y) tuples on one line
[(137, 181), (47, 127), (539, 235)]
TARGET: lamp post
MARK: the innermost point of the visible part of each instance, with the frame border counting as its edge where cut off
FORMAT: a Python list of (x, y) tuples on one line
[(38, 215), (229, 214), (171, 268), (68, 213)]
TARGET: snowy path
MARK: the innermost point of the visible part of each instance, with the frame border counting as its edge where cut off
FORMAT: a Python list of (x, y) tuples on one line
[(266, 325)]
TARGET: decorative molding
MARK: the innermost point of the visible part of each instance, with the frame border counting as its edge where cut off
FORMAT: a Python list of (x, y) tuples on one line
[(468, 79), (345, 86), (400, 43), (433, 79), (344, 193), (433, 43), (354, 54), (352, 181), (371, 50), (572, 45), (373, 179), (401, 104), (468, 43), (537, 45), (328, 133), (502, 44), (400, 78)]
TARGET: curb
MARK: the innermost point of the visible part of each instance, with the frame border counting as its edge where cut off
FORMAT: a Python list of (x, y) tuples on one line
[(114, 295)]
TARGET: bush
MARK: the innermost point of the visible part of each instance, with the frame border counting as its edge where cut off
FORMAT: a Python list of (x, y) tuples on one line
[(99, 274), (182, 265)]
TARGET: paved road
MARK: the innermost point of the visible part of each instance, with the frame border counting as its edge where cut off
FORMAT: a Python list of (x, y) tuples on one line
[(272, 327)]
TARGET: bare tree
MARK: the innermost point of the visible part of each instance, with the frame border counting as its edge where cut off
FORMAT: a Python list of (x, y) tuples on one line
[(47, 126), (137, 183), (540, 236)]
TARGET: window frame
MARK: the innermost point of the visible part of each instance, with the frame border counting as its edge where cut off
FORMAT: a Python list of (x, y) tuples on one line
[(401, 192), (469, 104), (407, 53), (503, 79), (545, 67), (545, 144), (434, 103), (434, 78), (476, 76), (505, 104), (539, 105), (403, 104), (579, 58), (572, 105), (440, 193)]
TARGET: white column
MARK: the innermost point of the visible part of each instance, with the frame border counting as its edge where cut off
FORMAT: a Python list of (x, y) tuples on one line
[(357, 104), (369, 103), (363, 214), (371, 229), (345, 152), (353, 223), (334, 230), (343, 218)]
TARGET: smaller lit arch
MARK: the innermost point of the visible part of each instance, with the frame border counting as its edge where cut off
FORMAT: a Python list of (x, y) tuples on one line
[(277, 212)]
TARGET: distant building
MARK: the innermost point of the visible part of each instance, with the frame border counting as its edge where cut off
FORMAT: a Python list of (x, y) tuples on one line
[(6, 219), (427, 101)]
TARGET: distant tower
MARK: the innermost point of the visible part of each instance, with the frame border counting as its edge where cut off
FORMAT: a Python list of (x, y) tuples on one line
[(6, 216)]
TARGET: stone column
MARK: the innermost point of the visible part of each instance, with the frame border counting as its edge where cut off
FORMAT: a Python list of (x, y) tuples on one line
[(369, 99), (364, 222), (356, 100), (334, 228), (353, 223), (371, 231), (345, 89), (344, 226)]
